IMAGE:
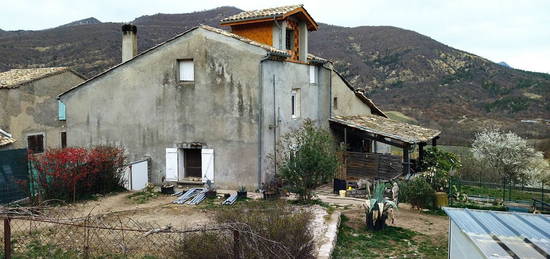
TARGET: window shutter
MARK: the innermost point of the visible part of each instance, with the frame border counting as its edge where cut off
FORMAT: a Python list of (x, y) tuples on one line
[(207, 157), (61, 110), (171, 164), (186, 70), (312, 74)]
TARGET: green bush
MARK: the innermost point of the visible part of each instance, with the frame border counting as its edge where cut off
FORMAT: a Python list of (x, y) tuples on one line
[(417, 192), (308, 158)]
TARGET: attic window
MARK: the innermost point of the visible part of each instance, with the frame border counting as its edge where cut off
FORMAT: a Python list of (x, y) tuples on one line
[(289, 39), (186, 70), (335, 103)]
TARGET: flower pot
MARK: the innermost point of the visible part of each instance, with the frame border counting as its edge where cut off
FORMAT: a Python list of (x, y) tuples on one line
[(441, 199), (211, 194), (241, 194), (167, 189), (268, 195)]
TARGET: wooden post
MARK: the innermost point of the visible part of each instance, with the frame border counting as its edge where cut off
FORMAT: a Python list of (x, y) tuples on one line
[(406, 160), (434, 141), (236, 245), (7, 238), (421, 153)]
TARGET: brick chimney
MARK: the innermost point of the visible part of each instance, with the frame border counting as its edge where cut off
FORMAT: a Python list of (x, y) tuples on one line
[(129, 42)]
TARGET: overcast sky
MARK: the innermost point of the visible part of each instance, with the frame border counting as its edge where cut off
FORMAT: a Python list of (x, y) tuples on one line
[(514, 31)]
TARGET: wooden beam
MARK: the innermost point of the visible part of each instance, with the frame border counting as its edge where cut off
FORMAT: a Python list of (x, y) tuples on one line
[(421, 152), (406, 160)]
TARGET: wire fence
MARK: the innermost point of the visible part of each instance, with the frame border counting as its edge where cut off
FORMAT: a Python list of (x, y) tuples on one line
[(34, 232)]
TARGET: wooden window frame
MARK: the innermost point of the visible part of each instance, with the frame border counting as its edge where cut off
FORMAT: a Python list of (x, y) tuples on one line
[(32, 150)]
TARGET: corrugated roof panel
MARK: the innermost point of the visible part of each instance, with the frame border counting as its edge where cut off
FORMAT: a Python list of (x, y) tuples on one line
[(525, 235)]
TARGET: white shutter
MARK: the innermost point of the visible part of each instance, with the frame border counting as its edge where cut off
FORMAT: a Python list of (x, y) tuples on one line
[(187, 70), (312, 75), (207, 159), (171, 164)]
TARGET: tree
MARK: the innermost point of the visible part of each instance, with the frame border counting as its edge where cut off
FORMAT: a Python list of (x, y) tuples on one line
[(308, 158), (507, 152)]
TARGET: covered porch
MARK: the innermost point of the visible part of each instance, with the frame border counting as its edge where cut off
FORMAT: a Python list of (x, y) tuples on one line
[(368, 138)]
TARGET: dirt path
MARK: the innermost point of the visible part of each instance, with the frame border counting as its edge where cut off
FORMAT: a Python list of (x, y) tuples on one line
[(157, 211), (408, 218)]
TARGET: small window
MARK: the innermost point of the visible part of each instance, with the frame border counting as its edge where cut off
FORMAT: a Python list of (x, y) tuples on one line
[(35, 143), (295, 103), (61, 110), (63, 139), (186, 70), (312, 74), (335, 103), (289, 39)]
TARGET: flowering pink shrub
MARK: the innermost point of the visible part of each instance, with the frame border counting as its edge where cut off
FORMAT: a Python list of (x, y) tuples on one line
[(75, 173)]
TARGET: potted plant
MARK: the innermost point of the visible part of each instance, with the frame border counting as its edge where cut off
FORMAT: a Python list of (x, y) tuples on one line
[(210, 190), (166, 188), (272, 189), (241, 193)]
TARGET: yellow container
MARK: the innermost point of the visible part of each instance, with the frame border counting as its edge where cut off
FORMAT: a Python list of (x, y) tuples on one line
[(342, 193), (441, 199)]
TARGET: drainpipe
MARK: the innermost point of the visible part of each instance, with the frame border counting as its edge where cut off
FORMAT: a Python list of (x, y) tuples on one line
[(275, 125), (260, 120)]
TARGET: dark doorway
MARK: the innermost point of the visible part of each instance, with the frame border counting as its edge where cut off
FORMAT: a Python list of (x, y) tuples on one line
[(193, 163)]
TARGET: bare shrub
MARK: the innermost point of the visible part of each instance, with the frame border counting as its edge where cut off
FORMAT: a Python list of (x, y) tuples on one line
[(264, 231)]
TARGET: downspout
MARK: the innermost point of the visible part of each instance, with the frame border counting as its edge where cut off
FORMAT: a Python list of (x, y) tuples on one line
[(260, 121), (275, 125)]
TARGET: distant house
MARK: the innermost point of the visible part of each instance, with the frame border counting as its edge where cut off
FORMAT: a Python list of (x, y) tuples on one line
[(29, 109), (211, 104)]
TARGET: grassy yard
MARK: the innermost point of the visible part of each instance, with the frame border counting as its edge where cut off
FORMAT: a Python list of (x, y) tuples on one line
[(393, 242), (497, 193)]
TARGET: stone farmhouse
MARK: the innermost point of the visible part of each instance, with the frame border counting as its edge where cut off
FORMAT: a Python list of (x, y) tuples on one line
[(30, 114), (211, 104)]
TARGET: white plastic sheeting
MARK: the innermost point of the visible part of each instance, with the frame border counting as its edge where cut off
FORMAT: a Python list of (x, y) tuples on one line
[(495, 234)]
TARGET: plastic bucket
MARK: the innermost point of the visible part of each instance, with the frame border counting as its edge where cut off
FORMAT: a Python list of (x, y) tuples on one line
[(441, 199), (342, 193)]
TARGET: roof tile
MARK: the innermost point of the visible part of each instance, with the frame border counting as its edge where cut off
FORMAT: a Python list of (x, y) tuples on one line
[(263, 13), (16, 77)]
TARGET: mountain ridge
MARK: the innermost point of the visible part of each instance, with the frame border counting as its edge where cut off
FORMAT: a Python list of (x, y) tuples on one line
[(401, 70)]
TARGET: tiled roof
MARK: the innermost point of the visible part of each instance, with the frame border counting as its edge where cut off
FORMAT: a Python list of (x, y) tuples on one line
[(382, 126), (263, 13), (499, 234), (5, 138), (17, 77)]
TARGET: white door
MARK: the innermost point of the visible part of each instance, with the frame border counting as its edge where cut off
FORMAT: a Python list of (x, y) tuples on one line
[(140, 177), (171, 164), (207, 164)]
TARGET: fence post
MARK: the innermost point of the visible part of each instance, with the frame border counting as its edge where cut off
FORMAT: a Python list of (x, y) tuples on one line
[(7, 238), (236, 245)]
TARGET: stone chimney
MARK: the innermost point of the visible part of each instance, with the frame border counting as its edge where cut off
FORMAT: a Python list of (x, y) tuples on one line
[(129, 42)]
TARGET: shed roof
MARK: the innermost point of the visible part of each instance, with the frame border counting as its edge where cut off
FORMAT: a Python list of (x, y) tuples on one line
[(16, 77), (504, 234), (386, 127), (269, 14), (5, 138)]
